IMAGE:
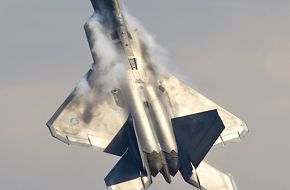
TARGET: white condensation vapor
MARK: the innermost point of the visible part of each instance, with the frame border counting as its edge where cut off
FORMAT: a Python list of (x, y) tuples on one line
[(153, 53), (109, 68)]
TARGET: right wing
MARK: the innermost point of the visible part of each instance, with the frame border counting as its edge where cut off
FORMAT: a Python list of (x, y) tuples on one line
[(88, 120), (211, 178), (184, 101)]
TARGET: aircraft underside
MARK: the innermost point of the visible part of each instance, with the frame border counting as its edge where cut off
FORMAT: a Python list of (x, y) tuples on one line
[(129, 106)]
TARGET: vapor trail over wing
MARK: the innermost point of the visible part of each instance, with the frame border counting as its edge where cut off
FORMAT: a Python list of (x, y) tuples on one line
[(185, 101), (88, 120)]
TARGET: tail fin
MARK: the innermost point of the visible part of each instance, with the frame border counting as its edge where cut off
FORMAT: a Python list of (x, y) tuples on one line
[(128, 174), (195, 134)]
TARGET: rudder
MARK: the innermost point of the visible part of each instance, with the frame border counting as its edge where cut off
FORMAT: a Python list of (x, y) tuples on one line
[(195, 134)]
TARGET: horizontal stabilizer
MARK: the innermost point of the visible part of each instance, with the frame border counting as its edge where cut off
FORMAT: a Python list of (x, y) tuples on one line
[(195, 134), (212, 179)]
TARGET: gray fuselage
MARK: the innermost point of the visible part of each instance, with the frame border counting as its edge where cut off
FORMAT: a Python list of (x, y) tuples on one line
[(151, 117)]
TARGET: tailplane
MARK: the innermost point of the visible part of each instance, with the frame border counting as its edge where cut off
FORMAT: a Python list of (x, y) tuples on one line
[(195, 134)]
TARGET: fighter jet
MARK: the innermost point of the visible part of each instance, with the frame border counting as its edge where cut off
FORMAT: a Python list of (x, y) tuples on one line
[(152, 120)]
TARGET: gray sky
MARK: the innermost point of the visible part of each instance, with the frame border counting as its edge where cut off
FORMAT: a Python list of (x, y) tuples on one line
[(235, 52)]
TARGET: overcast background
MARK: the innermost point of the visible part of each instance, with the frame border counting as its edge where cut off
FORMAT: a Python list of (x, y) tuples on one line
[(236, 52)]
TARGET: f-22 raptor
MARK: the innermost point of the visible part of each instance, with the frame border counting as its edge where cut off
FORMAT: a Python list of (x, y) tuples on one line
[(152, 120)]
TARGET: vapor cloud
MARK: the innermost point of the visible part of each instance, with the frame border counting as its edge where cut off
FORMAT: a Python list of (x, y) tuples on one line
[(157, 57), (154, 54), (109, 66)]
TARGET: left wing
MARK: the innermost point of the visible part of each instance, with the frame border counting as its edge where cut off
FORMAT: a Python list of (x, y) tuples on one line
[(89, 120)]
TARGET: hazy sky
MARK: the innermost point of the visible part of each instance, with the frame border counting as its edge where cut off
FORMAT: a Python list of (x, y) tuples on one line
[(236, 52)]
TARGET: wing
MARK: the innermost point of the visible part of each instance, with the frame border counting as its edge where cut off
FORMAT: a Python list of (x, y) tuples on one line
[(88, 118), (184, 100), (211, 178)]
